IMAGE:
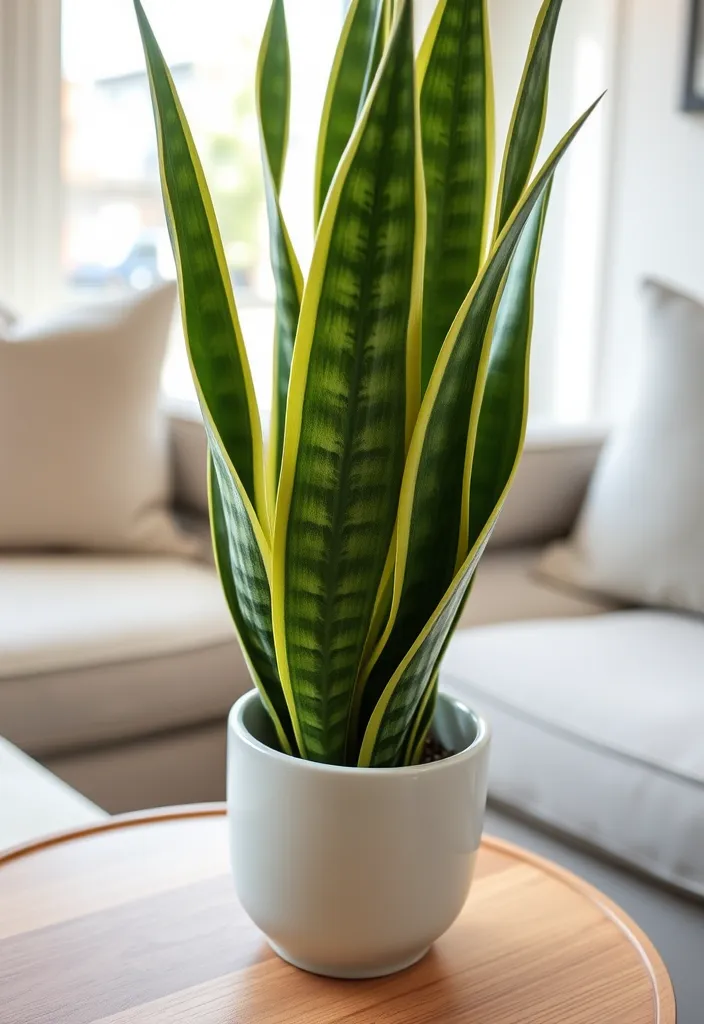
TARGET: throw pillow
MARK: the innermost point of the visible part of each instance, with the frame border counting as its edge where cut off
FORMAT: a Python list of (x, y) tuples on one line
[(84, 451), (640, 536)]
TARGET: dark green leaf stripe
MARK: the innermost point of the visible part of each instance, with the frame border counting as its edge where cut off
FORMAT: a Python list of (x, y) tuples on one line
[(245, 583), (213, 335), (420, 727), (505, 397), (426, 710), (356, 61), (383, 742), (456, 107), (348, 412), (430, 510), (273, 101), (528, 120), (273, 91)]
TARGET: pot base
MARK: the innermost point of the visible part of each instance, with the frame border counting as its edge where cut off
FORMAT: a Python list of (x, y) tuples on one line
[(349, 973)]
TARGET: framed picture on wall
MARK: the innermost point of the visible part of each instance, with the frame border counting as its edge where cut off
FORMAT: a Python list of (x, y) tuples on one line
[(693, 98)]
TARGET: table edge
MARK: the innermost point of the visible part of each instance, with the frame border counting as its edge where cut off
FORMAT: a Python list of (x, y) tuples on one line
[(663, 992)]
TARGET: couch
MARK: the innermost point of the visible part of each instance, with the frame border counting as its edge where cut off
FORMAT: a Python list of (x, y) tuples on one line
[(34, 803), (117, 673)]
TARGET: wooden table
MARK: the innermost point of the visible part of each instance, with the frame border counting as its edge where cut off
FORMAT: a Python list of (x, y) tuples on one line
[(135, 922)]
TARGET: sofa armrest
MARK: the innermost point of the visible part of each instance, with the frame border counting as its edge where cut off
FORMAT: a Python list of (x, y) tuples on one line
[(34, 802), (549, 486), (189, 457)]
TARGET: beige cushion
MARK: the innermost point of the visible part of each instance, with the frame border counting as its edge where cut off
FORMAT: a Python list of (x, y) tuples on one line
[(543, 503), (34, 803), (550, 485), (507, 588), (84, 459), (190, 455), (95, 650), (641, 533), (597, 730), (185, 766)]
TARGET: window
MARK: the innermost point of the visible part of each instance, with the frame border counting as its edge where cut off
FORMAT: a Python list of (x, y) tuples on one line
[(92, 223), (114, 237)]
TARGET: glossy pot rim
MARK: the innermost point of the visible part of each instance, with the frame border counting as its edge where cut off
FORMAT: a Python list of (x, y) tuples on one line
[(481, 740)]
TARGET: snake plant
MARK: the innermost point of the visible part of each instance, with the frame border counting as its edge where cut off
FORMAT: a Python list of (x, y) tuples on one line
[(346, 551)]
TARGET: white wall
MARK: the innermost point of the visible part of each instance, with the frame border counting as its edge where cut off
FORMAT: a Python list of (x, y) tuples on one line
[(657, 198)]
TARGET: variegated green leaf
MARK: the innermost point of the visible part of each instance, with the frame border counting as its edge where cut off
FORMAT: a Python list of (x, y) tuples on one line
[(420, 727), (273, 89), (213, 336), (501, 421), (528, 121), (273, 102), (457, 125), (382, 744), (240, 560), (356, 61), (430, 540), (500, 434), (423, 718), (388, 18), (352, 403), (505, 400)]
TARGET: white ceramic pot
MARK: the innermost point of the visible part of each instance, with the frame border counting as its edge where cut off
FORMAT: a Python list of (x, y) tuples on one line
[(354, 872)]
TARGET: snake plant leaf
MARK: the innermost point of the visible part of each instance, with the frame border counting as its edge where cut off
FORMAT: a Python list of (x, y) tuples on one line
[(501, 420), (525, 131), (241, 562), (500, 434), (273, 87), (505, 400), (430, 544), (383, 741), (213, 336), (273, 92), (388, 18), (352, 403), (457, 125), (420, 727), (356, 61)]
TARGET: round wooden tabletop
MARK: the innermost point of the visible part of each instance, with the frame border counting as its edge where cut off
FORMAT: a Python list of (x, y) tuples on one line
[(136, 922)]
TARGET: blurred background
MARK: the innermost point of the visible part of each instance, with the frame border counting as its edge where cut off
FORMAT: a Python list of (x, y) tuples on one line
[(113, 234), (79, 198)]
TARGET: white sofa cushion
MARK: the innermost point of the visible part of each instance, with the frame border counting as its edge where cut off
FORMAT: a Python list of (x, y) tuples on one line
[(550, 484), (105, 649), (641, 533), (97, 650), (598, 726), (508, 588), (84, 446)]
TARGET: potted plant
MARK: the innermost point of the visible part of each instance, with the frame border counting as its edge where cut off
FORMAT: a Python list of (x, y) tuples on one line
[(399, 409)]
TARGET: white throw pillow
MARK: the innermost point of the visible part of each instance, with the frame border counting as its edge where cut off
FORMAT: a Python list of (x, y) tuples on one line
[(640, 535), (84, 456)]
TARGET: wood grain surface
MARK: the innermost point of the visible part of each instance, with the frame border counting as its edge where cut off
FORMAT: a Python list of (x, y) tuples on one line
[(136, 922)]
